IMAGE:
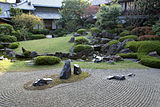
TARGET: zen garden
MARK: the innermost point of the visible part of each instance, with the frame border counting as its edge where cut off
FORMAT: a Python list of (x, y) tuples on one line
[(71, 53)]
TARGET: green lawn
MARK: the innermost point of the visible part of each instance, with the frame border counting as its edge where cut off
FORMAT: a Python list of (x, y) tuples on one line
[(21, 66), (44, 46)]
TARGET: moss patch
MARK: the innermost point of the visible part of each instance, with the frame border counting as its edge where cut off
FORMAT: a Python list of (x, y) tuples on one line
[(57, 81)]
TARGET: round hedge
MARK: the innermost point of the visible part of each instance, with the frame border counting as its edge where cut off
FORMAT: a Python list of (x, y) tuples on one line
[(81, 41), (37, 36), (80, 48), (81, 31), (128, 55), (134, 37), (47, 60), (95, 30), (112, 42), (8, 38), (27, 54), (125, 33), (13, 45), (150, 61)]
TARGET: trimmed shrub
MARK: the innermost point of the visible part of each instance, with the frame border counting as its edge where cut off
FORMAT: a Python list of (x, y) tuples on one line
[(6, 29), (81, 41), (115, 31), (47, 60), (8, 38), (134, 37), (18, 35), (150, 61), (149, 37), (80, 48), (156, 28), (40, 31), (60, 32), (36, 36), (128, 55), (146, 30), (81, 31), (27, 54), (125, 33), (1, 46), (112, 42), (95, 30), (13, 45)]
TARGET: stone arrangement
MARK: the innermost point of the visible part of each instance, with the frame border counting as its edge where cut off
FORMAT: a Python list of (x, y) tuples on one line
[(42, 82), (120, 77)]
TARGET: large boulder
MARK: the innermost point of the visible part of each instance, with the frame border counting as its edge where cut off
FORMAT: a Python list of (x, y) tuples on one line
[(77, 69), (66, 71), (154, 54)]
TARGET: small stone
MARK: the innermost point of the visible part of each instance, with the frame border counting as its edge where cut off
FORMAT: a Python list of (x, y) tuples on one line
[(42, 82), (77, 69), (131, 75), (117, 77), (72, 40)]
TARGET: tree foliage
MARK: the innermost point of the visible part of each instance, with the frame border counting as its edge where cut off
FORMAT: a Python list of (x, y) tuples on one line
[(27, 21), (71, 12), (0, 11), (108, 15), (15, 11)]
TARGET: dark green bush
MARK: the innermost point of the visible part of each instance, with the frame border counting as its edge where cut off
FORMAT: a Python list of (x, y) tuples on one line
[(134, 37), (6, 29), (95, 30), (7, 38), (128, 55), (125, 33), (80, 48), (18, 35), (81, 31), (40, 31), (130, 28), (112, 42), (13, 45), (115, 31), (133, 45), (81, 41), (150, 61), (60, 32), (1, 46), (156, 28), (47, 60), (37, 36), (27, 54)]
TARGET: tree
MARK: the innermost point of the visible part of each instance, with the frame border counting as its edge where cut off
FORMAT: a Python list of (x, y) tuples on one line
[(25, 23), (71, 12), (15, 11), (108, 15)]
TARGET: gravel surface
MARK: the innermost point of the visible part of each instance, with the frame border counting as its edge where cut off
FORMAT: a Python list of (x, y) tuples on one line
[(143, 90)]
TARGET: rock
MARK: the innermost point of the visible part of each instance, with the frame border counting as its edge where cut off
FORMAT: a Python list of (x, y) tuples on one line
[(12, 54), (72, 49), (72, 40), (84, 57), (66, 71), (106, 34), (77, 69), (33, 54), (42, 82), (110, 62), (2, 57), (94, 34), (104, 48), (13, 60), (7, 50), (93, 42), (97, 47), (49, 54), (105, 40), (90, 37), (117, 77), (5, 44), (154, 53), (115, 58), (19, 55), (76, 35), (113, 49), (126, 50), (116, 37), (98, 59), (23, 50), (125, 41), (73, 56), (131, 75), (48, 36)]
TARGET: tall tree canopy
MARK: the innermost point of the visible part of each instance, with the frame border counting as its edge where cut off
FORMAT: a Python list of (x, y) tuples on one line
[(71, 12)]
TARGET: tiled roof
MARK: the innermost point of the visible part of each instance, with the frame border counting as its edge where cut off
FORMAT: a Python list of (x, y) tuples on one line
[(24, 5), (5, 10), (98, 2)]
